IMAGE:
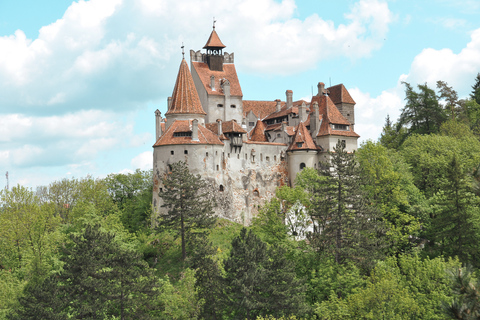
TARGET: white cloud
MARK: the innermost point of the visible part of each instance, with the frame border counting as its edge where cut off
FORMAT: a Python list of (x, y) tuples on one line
[(457, 69), (370, 113), (143, 161)]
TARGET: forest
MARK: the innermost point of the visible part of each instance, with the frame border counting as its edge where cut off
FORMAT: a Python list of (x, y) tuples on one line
[(391, 231)]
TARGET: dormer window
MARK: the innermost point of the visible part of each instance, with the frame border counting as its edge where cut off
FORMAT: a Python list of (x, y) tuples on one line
[(343, 127), (182, 134), (299, 144)]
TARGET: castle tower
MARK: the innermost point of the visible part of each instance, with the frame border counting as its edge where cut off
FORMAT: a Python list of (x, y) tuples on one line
[(185, 103), (217, 82)]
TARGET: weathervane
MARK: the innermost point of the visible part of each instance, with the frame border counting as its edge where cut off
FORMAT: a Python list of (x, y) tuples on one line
[(214, 23), (183, 51)]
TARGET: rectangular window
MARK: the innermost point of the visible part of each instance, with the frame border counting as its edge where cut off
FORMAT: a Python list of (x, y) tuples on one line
[(172, 152), (220, 105), (185, 151), (233, 106), (182, 134), (251, 124)]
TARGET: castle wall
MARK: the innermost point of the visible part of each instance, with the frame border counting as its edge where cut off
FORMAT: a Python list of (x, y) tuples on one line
[(328, 143), (295, 158), (240, 179)]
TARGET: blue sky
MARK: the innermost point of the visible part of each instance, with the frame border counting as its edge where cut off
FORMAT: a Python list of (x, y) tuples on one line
[(80, 81)]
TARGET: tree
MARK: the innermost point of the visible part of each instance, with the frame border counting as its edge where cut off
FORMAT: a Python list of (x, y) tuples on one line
[(422, 113), (132, 193), (189, 208), (260, 281), (393, 134), (346, 225), (100, 278), (466, 303), (450, 96), (475, 95), (455, 227)]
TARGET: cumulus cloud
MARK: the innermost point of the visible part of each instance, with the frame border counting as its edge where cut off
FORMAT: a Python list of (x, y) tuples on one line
[(457, 69), (143, 161)]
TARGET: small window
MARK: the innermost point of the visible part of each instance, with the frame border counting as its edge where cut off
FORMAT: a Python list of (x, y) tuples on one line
[(233, 106), (261, 156), (344, 143), (267, 158), (221, 188), (185, 151), (299, 144), (229, 155), (302, 165), (251, 124), (246, 156), (279, 135), (220, 105), (216, 153), (218, 167), (182, 134), (274, 158), (206, 154), (238, 156), (256, 193), (161, 189), (172, 152)]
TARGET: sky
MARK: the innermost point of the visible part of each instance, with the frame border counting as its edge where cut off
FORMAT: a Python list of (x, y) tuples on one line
[(80, 81)]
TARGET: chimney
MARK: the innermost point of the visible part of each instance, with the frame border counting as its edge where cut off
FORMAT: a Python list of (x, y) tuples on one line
[(302, 112), (212, 83), (279, 105), (321, 88), (289, 94), (314, 119), (158, 125), (169, 102), (219, 127), (195, 130)]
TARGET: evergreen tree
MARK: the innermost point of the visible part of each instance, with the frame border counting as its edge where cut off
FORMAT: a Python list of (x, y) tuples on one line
[(475, 95), (189, 208), (452, 108), (455, 226), (260, 281), (100, 279), (422, 113), (346, 226), (466, 304)]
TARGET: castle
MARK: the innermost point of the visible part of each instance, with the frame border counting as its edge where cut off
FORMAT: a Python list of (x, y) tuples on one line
[(244, 149)]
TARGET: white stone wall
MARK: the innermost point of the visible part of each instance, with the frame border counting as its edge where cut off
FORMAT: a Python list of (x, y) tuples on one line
[(328, 143), (295, 158)]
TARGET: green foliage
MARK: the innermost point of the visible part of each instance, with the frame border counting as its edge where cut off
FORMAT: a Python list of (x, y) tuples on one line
[(392, 135), (268, 224), (466, 302), (180, 301), (346, 225), (475, 95), (422, 114), (391, 189), (189, 209), (132, 193), (260, 281), (10, 290), (455, 227), (429, 157)]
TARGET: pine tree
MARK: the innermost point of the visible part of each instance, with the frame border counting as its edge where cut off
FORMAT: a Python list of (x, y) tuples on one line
[(466, 303), (189, 208), (346, 225), (100, 279), (475, 95), (260, 281), (455, 227)]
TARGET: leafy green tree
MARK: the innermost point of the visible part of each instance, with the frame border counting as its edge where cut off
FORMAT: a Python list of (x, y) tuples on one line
[(132, 193), (269, 223), (346, 225), (181, 300), (390, 186), (100, 279), (422, 114), (189, 208), (450, 96), (260, 281), (455, 227), (393, 134)]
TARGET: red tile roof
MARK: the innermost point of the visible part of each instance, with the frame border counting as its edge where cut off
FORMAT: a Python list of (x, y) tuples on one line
[(284, 111), (302, 140), (185, 97), (205, 136), (214, 41), (339, 94), (333, 116), (258, 132), (260, 109), (229, 72), (227, 127)]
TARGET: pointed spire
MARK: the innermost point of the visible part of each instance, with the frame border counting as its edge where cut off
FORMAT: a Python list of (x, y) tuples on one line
[(302, 139), (185, 97), (258, 132), (214, 41)]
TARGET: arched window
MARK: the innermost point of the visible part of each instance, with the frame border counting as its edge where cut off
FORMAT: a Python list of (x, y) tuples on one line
[(256, 193), (221, 188), (302, 165)]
